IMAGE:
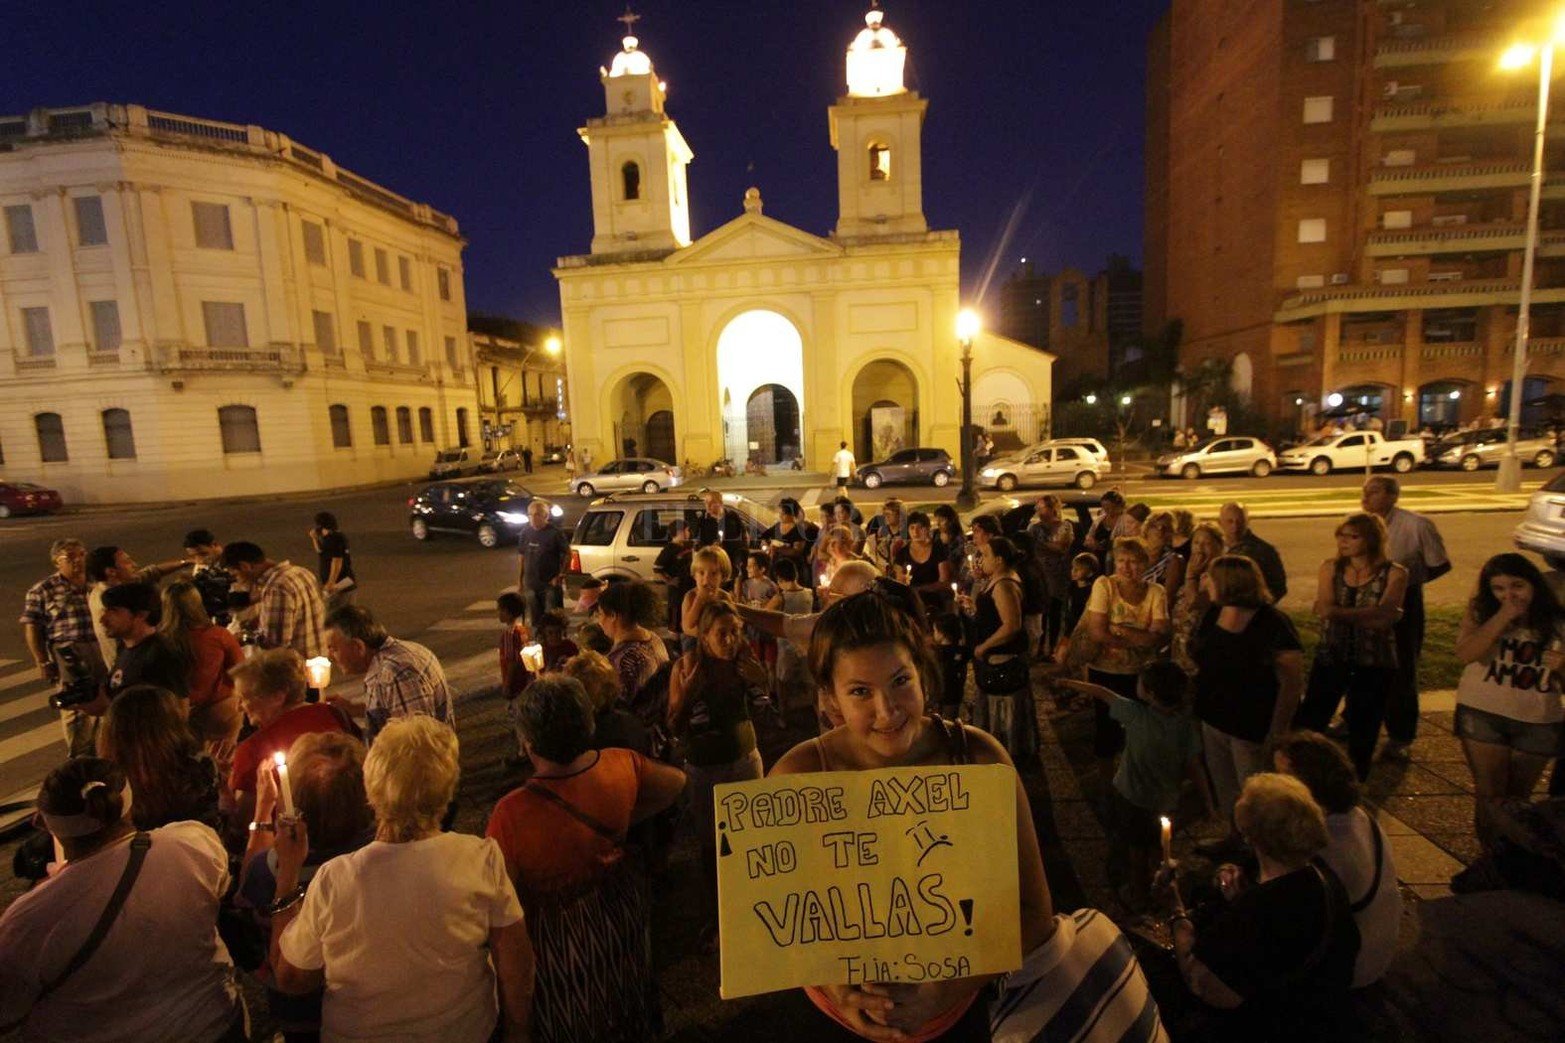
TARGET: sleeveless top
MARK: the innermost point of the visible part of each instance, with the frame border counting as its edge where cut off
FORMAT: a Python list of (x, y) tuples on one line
[(1345, 644), (921, 572), (1159, 568), (718, 730), (986, 620)]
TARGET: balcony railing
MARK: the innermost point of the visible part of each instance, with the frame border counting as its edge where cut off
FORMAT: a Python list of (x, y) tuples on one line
[(276, 358), (1421, 50), (1494, 174), (32, 363), (1469, 350), (1461, 112), (403, 370)]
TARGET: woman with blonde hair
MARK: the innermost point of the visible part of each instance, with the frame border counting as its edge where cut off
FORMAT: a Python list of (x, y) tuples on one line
[(1127, 619), (211, 651), (402, 931)]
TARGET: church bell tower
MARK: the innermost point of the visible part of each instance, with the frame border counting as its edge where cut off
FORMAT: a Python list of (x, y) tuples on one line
[(638, 157), (877, 130)]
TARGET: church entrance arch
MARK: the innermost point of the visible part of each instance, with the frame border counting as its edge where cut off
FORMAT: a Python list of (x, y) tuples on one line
[(760, 376), (642, 408), (885, 410)]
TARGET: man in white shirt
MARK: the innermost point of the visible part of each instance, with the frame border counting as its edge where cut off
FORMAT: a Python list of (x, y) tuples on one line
[(843, 465), (1413, 542)]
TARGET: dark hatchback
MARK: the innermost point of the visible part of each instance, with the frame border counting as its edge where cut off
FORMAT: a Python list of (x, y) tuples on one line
[(26, 498), (492, 509), (909, 465)]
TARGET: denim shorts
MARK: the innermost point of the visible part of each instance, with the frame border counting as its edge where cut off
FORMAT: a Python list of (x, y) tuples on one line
[(1540, 740)]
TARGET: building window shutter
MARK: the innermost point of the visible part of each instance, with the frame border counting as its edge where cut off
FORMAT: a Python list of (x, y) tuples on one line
[(451, 356), (404, 425), (405, 273), (415, 357), (389, 335), (378, 426), (426, 424), (366, 340), (314, 243), (1320, 49), (40, 332), (1317, 109), (1312, 230), (225, 324), (106, 336), (382, 267), (91, 230), (19, 227), (117, 434), (240, 431), (213, 230), (443, 277), (325, 333), (51, 438), (341, 430), (461, 427), (1315, 172), (356, 258)]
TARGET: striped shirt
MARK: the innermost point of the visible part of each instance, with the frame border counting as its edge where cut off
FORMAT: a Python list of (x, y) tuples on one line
[(1081, 986), (405, 679), (60, 608), (290, 609)]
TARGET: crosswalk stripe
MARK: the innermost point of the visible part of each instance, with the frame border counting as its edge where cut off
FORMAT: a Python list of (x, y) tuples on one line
[(20, 678), (43, 736), (9, 662), (480, 606), (24, 704), (465, 624)]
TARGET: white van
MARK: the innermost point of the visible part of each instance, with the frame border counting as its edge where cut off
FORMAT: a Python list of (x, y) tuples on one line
[(453, 463)]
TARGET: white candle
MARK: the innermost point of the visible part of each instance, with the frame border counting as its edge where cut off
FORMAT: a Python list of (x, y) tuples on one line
[(953, 588), (1168, 839), (283, 787), (532, 658), (319, 671)]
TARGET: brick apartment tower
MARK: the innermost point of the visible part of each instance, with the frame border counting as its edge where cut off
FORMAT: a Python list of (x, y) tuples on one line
[(1337, 202)]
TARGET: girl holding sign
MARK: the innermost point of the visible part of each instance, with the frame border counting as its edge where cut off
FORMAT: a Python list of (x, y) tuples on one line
[(874, 667)]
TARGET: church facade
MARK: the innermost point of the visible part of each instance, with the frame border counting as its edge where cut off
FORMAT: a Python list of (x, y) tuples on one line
[(760, 341)]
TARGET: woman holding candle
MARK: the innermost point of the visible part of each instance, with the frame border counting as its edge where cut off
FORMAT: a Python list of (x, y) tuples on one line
[(416, 935), (924, 567)]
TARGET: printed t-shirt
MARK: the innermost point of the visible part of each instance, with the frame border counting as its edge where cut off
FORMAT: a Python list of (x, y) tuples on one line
[(1512, 681), (1152, 610)]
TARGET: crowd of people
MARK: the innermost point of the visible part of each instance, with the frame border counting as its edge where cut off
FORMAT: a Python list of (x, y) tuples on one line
[(243, 822)]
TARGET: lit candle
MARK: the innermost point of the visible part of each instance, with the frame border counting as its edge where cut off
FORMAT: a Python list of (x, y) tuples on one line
[(532, 658), (826, 579), (953, 590), (319, 671), (1168, 839), (283, 786)]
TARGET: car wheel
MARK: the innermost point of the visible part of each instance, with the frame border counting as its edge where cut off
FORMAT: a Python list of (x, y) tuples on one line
[(420, 529), (1320, 465), (1545, 458), (488, 536), (1006, 483), (1086, 480), (584, 489), (1471, 462), (1190, 472), (649, 486), (872, 480), (1262, 468), (942, 479), (1402, 463)]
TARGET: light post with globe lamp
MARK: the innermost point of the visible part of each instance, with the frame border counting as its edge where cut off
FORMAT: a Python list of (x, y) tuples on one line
[(967, 326), (1519, 56)]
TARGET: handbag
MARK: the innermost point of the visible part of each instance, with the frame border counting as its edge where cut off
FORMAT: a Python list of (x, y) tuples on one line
[(1001, 677)]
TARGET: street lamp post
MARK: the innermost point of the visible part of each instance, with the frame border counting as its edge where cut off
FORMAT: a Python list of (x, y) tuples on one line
[(967, 325), (1509, 478)]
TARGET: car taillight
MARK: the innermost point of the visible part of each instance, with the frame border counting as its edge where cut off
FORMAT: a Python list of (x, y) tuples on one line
[(412, 500), (575, 561)]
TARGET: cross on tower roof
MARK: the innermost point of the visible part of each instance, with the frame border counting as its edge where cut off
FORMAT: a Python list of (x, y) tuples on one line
[(630, 19)]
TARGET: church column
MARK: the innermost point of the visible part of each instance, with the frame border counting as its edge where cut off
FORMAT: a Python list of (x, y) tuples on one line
[(828, 392), (698, 414)]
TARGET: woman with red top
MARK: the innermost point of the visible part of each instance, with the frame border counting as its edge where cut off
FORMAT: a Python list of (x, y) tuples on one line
[(211, 651), (563, 838)]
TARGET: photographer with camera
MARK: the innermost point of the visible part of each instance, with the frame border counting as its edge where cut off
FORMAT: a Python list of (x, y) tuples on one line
[(209, 575), (58, 628)]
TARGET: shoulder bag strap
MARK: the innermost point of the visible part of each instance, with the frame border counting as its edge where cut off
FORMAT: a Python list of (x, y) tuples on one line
[(576, 813), (1329, 907), (139, 845), (1374, 885)]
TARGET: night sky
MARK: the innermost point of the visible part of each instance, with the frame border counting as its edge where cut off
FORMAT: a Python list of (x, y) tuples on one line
[(1036, 108)]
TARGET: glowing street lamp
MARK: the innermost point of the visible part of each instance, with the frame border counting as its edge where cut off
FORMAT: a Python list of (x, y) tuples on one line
[(1091, 399), (552, 346), (967, 327)]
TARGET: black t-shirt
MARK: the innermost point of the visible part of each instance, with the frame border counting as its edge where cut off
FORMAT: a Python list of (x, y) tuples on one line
[(151, 661), (1236, 687), (674, 562), (335, 545), (544, 552), (921, 572), (1261, 946)]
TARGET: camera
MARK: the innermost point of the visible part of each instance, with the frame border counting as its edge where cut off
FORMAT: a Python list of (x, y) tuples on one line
[(212, 584), (77, 683)]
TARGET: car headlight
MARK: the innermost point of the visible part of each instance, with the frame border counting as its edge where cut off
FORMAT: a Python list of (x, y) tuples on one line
[(512, 517), (989, 472), (556, 511)]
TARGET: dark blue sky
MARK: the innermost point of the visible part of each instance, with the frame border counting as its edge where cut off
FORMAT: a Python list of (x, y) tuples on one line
[(473, 108)]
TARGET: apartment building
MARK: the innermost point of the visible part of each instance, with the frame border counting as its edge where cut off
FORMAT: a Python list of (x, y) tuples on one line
[(1089, 322), (191, 308), (1337, 202)]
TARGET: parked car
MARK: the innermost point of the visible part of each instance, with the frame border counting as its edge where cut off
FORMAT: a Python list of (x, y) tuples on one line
[(27, 498), (552, 454), (1230, 454), (453, 463), (618, 537), (632, 473), (1353, 451), (492, 509), (1048, 463), (495, 461), (1487, 448), (1542, 530), (1092, 445), (909, 465)]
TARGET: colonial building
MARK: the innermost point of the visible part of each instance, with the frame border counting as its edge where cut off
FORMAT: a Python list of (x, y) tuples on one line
[(196, 309), (521, 390), (759, 340), (1337, 198)]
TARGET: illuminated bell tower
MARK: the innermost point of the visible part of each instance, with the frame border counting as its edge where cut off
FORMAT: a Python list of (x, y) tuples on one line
[(877, 130), (638, 159)]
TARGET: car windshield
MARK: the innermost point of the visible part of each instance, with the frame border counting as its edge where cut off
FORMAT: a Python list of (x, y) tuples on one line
[(448, 457), (513, 491), (1323, 440), (1204, 443)]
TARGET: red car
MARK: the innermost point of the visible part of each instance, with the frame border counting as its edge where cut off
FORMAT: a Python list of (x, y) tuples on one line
[(26, 498)]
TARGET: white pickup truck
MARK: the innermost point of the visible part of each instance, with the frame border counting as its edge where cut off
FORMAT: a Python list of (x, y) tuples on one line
[(1353, 450)]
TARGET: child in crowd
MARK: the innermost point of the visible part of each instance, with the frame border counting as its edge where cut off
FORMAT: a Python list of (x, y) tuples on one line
[(793, 672), (1162, 748), (952, 652), (757, 591), (587, 600), (710, 570), (514, 676), (1084, 571), (591, 638), (557, 648)]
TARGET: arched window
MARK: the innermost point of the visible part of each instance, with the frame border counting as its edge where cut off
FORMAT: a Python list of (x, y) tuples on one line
[(117, 434), (426, 424), (404, 425), (462, 440), (341, 429), (879, 162), (51, 438), (240, 432), (378, 425), (630, 177)]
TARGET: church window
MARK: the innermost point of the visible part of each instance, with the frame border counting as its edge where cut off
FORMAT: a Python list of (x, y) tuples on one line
[(630, 174), (879, 162)]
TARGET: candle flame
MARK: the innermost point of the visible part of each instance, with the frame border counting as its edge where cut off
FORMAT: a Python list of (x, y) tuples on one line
[(280, 759)]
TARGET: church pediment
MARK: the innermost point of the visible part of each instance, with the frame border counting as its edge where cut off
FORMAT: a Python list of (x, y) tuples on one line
[(753, 237)]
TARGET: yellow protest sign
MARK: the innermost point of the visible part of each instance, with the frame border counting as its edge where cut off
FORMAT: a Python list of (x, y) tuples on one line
[(900, 875)]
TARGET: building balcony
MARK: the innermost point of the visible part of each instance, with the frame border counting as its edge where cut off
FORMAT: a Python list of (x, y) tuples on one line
[(33, 363), (1473, 293), (1460, 239), (1427, 50), (396, 370), (1457, 112), (275, 358), (1449, 177)]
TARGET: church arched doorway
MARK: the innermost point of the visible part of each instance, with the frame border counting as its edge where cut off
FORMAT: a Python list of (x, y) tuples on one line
[(885, 410), (760, 379), (642, 409)]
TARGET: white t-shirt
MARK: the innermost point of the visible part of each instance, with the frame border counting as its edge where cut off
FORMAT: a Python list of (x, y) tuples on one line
[(160, 974), (842, 463), (1351, 854), (1512, 681), (402, 931)]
